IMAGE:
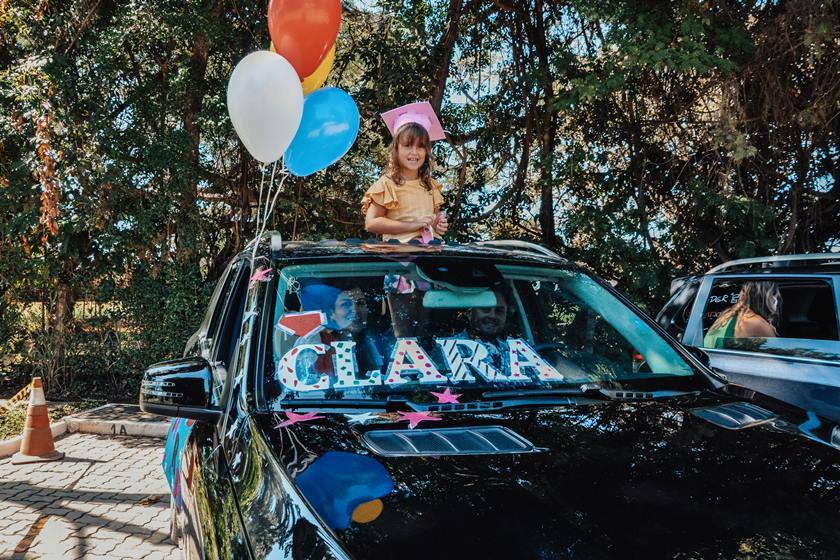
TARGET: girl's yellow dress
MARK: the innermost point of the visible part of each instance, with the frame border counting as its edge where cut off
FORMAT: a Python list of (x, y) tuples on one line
[(404, 203)]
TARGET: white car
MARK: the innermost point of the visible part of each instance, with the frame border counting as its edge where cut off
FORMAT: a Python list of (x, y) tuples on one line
[(802, 365)]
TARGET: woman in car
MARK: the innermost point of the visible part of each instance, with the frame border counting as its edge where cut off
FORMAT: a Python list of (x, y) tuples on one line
[(347, 315), (754, 315)]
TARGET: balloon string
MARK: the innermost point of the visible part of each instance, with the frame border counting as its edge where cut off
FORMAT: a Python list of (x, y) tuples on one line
[(285, 175), (268, 195), (259, 204), (269, 206)]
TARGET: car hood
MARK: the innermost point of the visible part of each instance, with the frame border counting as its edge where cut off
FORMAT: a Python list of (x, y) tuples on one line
[(607, 479)]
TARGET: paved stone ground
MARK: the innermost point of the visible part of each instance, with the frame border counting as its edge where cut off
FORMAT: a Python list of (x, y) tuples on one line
[(107, 498)]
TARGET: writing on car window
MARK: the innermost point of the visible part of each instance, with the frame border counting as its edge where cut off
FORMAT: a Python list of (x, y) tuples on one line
[(382, 327)]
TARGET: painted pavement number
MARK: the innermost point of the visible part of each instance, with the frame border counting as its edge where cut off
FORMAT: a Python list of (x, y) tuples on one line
[(121, 431)]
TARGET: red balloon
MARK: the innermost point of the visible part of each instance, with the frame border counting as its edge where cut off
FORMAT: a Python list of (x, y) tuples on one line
[(303, 31)]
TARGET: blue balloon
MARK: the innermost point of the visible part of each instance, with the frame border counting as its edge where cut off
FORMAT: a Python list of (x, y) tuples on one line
[(327, 130)]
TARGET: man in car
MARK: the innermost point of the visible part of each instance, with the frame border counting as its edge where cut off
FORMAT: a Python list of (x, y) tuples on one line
[(488, 325)]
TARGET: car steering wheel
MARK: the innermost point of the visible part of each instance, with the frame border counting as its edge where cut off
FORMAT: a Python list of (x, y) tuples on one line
[(550, 346)]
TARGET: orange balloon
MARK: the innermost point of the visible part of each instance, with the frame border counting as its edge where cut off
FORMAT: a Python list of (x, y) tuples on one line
[(303, 31)]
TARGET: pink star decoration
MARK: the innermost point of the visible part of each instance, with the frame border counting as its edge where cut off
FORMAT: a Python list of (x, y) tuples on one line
[(262, 275), (294, 418), (414, 418), (447, 396)]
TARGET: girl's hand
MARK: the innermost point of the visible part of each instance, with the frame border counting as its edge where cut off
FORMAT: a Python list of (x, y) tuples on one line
[(424, 222), (442, 225)]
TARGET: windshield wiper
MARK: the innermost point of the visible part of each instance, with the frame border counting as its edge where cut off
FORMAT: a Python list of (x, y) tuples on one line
[(587, 393), (586, 390), (591, 391), (391, 403)]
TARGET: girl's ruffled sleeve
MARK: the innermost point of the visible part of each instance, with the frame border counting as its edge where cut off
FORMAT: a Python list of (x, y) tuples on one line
[(437, 195), (383, 192)]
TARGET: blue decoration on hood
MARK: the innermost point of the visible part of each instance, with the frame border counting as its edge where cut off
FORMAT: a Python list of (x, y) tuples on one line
[(338, 482)]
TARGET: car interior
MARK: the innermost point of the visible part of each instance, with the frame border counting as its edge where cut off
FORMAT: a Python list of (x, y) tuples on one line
[(807, 310)]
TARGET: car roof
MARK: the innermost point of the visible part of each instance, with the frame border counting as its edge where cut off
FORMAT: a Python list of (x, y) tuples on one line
[(813, 263), (286, 252)]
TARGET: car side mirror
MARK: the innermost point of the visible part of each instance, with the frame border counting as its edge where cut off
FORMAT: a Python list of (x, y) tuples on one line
[(700, 354), (181, 388)]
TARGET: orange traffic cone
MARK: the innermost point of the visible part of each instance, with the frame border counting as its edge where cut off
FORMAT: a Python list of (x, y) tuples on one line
[(37, 442)]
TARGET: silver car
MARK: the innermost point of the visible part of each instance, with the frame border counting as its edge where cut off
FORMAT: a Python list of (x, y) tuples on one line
[(801, 365)]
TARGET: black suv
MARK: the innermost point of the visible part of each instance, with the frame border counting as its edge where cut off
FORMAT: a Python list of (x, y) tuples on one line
[(487, 400), (802, 364)]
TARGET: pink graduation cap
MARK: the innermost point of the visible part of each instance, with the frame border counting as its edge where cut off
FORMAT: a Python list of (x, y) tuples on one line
[(420, 113)]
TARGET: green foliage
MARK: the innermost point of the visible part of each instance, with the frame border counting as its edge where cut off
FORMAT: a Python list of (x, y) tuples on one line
[(648, 139), (13, 420)]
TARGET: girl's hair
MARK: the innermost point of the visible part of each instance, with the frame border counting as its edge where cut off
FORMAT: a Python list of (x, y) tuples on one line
[(758, 298), (410, 133)]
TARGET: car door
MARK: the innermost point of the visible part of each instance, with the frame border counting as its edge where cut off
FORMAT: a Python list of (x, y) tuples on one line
[(208, 514), (800, 366), (277, 522)]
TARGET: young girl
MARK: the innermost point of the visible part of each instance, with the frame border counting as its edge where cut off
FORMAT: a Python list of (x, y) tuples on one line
[(405, 202)]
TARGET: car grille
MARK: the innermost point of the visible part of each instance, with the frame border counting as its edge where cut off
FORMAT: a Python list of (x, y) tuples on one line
[(735, 416), (480, 440)]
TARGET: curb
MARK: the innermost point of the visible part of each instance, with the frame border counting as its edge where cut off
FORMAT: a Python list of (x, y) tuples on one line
[(115, 427), (73, 424), (12, 445)]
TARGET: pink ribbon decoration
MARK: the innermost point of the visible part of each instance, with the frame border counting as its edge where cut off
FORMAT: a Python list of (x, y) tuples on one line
[(426, 234)]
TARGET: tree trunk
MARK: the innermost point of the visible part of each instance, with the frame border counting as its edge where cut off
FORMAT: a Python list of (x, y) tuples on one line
[(199, 53), (546, 80), (446, 46), (60, 313)]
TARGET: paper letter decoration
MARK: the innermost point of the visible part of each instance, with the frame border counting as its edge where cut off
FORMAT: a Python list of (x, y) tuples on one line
[(287, 369), (409, 357), (523, 356), (306, 323), (460, 365), (346, 368)]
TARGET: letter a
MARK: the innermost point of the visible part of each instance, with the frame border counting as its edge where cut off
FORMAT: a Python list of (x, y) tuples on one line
[(409, 357), (523, 357)]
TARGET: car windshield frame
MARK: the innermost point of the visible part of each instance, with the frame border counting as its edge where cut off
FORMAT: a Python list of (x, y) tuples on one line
[(689, 377)]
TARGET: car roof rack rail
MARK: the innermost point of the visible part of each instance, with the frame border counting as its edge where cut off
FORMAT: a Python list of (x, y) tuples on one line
[(779, 261), (514, 244)]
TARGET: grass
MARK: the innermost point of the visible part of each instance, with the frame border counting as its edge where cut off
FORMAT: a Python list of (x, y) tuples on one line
[(11, 421)]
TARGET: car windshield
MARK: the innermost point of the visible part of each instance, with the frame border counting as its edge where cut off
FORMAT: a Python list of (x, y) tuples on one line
[(365, 330)]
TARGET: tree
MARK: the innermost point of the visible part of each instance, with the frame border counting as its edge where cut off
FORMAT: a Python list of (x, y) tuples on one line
[(648, 139)]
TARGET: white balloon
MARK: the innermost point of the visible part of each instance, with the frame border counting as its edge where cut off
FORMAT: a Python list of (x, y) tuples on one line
[(265, 103)]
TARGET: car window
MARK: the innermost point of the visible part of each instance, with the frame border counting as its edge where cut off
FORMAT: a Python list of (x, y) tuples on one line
[(782, 316), (226, 342), (248, 321), (675, 314), (368, 328), (219, 301)]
